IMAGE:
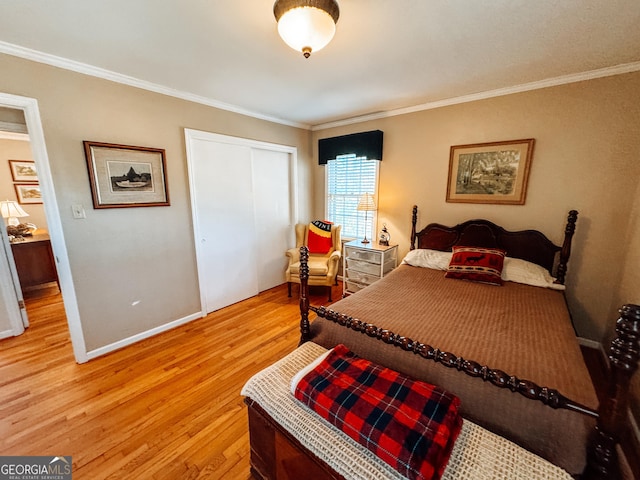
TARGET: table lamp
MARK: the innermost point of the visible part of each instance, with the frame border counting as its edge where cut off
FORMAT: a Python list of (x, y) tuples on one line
[(12, 211), (367, 205)]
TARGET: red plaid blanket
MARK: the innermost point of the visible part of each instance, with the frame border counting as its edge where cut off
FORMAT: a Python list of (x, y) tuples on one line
[(409, 424)]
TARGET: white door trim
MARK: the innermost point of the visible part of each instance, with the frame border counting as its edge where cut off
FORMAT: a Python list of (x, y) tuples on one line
[(190, 136), (36, 136), (8, 289)]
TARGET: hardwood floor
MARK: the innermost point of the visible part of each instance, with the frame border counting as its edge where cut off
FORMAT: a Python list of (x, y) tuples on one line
[(168, 407)]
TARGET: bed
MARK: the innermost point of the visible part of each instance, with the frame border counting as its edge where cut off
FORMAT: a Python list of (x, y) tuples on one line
[(498, 347)]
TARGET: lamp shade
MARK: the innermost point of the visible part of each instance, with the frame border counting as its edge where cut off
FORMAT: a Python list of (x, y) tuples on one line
[(366, 203), (11, 210), (306, 26)]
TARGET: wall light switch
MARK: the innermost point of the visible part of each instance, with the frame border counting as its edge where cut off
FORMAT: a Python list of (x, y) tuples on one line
[(78, 211)]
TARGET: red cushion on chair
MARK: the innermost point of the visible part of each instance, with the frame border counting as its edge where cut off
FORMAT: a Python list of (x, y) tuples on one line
[(477, 264), (319, 240)]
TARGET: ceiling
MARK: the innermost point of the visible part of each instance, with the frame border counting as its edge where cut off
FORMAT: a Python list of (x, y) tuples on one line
[(387, 56)]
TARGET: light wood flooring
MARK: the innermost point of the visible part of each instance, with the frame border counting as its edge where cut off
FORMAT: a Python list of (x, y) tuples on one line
[(168, 407)]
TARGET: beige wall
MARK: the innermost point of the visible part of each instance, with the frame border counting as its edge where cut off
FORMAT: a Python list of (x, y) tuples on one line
[(629, 288), (585, 158), (18, 150), (122, 256)]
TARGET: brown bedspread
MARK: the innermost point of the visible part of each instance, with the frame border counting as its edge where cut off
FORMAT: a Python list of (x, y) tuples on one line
[(525, 331)]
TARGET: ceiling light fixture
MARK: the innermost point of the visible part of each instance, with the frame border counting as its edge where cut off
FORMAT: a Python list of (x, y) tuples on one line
[(306, 25)]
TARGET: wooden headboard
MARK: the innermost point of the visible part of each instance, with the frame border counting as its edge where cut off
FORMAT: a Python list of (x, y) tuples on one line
[(530, 245)]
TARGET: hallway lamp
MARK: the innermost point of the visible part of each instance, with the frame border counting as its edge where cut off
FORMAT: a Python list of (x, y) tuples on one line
[(10, 210)]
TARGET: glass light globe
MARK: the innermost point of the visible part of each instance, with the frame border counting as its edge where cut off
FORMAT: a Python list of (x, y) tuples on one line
[(306, 29)]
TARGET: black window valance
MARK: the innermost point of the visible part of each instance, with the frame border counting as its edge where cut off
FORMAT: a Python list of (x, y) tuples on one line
[(365, 144)]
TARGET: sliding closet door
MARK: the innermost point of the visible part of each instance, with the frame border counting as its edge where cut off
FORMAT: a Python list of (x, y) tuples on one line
[(244, 207), (272, 185), (225, 234)]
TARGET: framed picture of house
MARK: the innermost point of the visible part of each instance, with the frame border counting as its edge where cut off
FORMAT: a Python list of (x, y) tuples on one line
[(28, 193), (494, 172), (23, 170), (126, 176)]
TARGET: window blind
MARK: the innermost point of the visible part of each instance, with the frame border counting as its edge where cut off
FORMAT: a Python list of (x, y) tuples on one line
[(348, 177)]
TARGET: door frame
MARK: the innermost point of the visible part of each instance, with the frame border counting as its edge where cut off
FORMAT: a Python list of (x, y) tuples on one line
[(190, 136), (29, 106), (10, 289)]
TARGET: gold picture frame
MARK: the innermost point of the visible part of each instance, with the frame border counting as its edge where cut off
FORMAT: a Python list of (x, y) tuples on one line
[(126, 176), (495, 172)]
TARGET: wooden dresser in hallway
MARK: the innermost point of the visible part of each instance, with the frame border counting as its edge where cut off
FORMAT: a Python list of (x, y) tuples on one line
[(34, 261)]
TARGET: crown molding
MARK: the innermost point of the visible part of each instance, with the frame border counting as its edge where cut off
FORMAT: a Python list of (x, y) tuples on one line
[(525, 87), (83, 68), (8, 135)]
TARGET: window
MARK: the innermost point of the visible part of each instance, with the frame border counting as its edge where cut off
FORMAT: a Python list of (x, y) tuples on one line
[(348, 177)]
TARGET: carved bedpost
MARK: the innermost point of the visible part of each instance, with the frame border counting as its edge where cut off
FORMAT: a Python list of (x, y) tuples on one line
[(305, 329), (414, 221), (624, 354), (565, 253)]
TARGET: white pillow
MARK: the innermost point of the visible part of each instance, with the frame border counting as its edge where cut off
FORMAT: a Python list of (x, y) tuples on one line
[(426, 258), (521, 271)]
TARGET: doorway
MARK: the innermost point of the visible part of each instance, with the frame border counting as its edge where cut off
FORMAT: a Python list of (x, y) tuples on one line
[(30, 245), (8, 276)]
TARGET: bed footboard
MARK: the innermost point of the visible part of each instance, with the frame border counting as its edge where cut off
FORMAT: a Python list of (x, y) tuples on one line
[(624, 355)]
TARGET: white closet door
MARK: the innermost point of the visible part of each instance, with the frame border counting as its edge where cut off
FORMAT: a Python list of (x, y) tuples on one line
[(243, 198), (221, 182), (272, 184)]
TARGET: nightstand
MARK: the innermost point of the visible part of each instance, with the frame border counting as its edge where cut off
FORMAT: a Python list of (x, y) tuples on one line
[(365, 263)]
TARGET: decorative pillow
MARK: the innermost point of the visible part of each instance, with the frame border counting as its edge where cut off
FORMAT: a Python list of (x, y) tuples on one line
[(319, 239), (426, 258), (521, 271), (477, 264)]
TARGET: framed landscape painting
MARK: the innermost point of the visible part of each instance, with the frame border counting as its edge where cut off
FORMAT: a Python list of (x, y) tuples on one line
[(126, 176), (28, 193), (494, 172), (23, 170)]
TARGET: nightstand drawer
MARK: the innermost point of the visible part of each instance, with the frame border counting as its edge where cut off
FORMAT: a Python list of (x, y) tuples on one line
[(364, 255), (363, 267), (371, 268), (353, 287), (362, 278)]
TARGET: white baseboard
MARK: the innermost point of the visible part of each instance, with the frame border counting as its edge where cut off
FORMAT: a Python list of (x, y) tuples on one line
[(98, 352), (6, 334), (586, 342)]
